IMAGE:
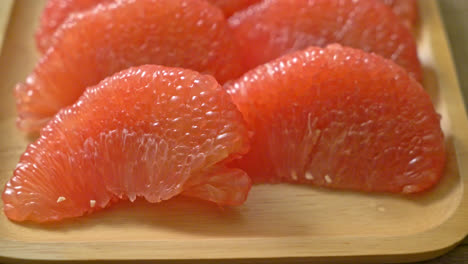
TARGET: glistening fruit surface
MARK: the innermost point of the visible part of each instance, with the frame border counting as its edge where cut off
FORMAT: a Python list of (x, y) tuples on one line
[(149, 131), (340, 118)]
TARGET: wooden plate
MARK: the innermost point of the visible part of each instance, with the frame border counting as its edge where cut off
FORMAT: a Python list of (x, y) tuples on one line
[(5, 8), (279, 223)]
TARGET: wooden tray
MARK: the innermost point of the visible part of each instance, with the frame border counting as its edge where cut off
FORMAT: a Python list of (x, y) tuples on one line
[(5, 8), (278, 223)]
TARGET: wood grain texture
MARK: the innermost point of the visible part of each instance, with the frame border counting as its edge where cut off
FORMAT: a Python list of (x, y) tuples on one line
[(455, 17), (5, 8), (278, 224)]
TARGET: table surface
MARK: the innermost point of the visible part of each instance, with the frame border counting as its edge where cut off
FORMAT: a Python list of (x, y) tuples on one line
[(455, 16)]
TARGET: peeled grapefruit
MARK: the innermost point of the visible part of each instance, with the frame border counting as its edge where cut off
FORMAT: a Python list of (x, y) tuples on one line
[(340, 118), (229, 7), (151, 131), (407, 10), (54, 14), (97, 43), (57, 11), (273, 28)]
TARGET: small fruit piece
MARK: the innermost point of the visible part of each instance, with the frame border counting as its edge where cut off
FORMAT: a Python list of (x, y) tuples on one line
[(340, 118), (151, 131)]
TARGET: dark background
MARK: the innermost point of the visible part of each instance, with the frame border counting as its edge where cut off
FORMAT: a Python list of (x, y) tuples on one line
[(455, 16)]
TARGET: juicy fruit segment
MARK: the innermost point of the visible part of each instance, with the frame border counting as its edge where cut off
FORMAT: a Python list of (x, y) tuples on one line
[(97, 43), (339, 118), (407, 10), (229, 7), (149, 131), (57, 11), (54, 14), (273, 28)]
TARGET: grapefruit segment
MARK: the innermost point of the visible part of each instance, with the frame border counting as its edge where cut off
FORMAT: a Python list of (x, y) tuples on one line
[(340, 118), (407, 10), (272, 28), (94, 44), (151, 131), (229, 7), (54, 14)]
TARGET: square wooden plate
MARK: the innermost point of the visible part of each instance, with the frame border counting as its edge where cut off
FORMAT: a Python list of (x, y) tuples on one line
[(280, 223)]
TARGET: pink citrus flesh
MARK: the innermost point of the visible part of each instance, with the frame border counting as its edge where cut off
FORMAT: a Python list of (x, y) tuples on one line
[(94, 44), (339, 118), (150, 131), (273, 28), (407, 10), (229, 7), (54, 14)]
